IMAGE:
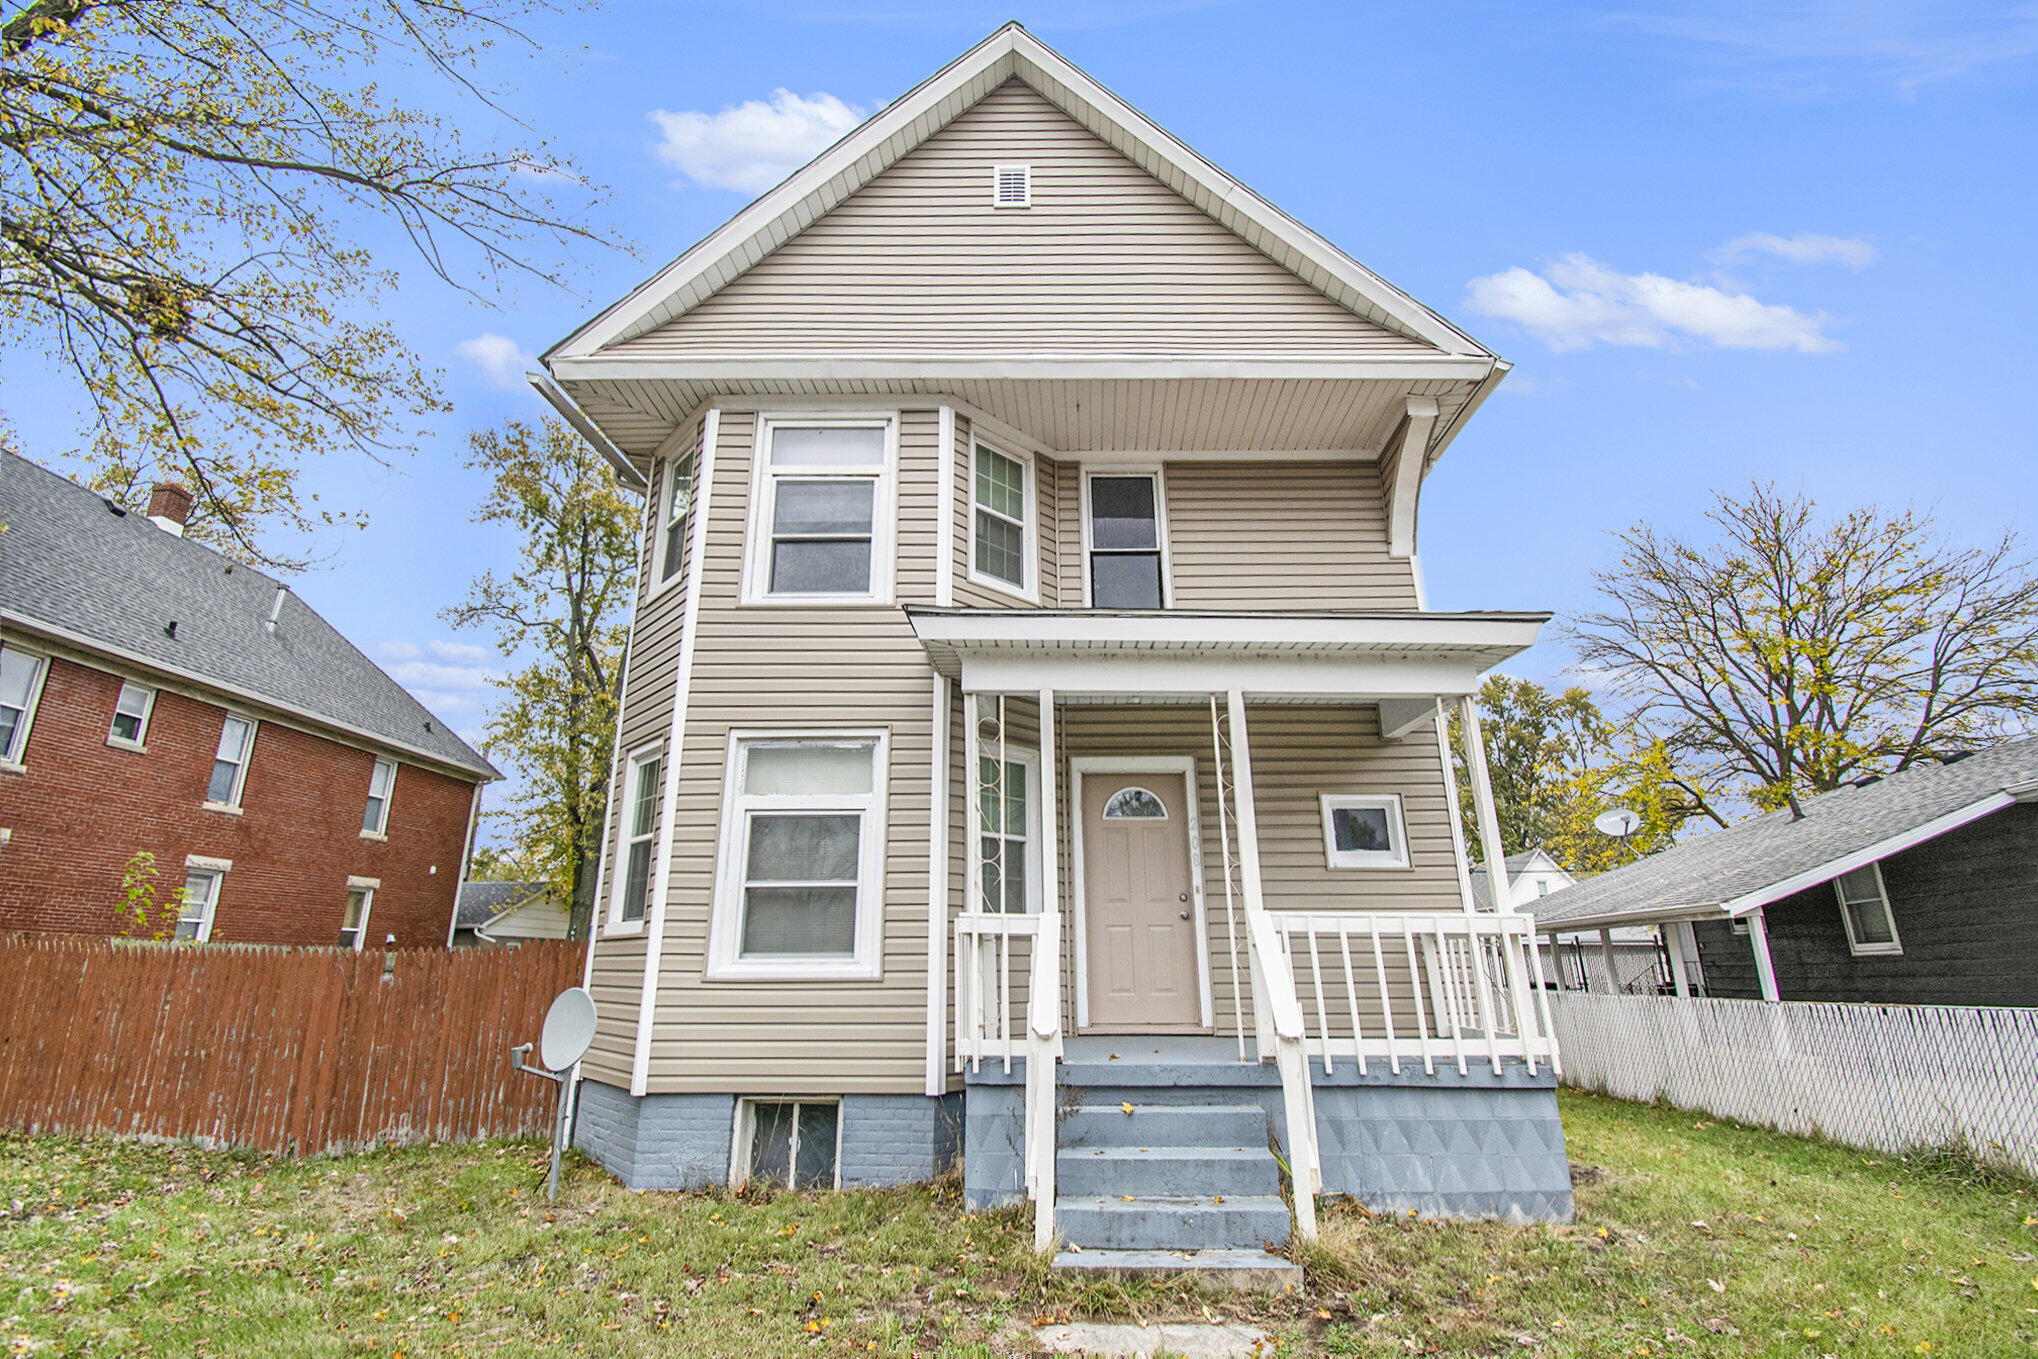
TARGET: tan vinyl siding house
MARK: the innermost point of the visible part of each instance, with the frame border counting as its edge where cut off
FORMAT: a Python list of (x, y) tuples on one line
[(1113, 470)]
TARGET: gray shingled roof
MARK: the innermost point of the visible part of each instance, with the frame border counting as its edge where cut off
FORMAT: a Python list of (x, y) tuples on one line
[(75, 568), (1707, 875), (480, 902), (1482, 891)]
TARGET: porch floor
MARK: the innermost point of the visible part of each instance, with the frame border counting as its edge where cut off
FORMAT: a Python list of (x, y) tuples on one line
[(1168, 1049)]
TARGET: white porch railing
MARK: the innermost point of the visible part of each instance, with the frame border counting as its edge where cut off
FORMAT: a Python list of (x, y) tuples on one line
[(992, 1024), (1406, 988)]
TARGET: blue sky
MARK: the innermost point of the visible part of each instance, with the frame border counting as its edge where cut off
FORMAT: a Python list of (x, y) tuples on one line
[(1718, 241)]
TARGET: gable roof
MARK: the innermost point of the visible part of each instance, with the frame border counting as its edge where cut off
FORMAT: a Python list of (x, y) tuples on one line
[(481, 902), (865, 152), (78, 569), (1755, 862), (1517, 864)]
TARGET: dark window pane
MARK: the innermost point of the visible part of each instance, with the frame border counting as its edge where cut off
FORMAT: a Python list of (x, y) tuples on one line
[(221, 788), (794, 848), (811, 508), (771, 1142), (799, 920), (1001, 548), (1127, 581), (1121, 512), (816, 1168), (675, 548), (840, 567), (637, 887), (1362, 828)]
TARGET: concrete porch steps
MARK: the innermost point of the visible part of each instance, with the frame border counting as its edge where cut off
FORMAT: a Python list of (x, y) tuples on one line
[(1217, 1270)]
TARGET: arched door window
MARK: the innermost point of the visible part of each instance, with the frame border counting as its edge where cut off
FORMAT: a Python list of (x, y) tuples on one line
[(1135, 804)]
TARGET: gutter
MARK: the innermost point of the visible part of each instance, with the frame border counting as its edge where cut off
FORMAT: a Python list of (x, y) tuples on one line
[(572, 414)]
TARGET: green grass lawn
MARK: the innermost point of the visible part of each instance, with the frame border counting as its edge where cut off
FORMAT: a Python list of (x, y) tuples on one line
[(1693, 1237)]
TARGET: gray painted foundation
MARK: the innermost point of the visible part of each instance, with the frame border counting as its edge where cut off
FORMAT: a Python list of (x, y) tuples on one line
[(686, 1141)]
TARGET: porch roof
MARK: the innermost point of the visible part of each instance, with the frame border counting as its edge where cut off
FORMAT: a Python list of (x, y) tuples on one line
[(1192, 653)]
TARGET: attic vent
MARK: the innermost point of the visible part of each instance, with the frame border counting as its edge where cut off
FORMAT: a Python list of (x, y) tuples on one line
[(1012, 186)]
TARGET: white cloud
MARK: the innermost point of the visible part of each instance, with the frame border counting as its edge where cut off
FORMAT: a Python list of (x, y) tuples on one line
[(390, 649), (1803, 248), (458, 651), (753, 145), (1578, 301), (447, 702), (502, 361), (427, 674)]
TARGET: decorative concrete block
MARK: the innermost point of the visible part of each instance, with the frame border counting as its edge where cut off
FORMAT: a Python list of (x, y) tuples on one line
[(993, 1145), (898, 1139)]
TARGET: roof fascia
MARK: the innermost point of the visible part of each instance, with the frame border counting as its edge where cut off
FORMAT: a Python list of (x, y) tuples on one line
[(315, 723), (1048, 367), (1039, 626), (1611, 920), (572, 414), (1861, 858)]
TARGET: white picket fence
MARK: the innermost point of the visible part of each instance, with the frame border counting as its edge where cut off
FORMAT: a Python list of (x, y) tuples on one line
[(1891, 1078)]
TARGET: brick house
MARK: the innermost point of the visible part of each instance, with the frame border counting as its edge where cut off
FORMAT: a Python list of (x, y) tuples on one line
[(156, 696)]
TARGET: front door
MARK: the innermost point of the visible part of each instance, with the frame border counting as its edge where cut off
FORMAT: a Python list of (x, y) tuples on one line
[(1138, 909)]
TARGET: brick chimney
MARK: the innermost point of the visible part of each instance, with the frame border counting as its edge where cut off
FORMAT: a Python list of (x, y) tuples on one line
[(169, 506)]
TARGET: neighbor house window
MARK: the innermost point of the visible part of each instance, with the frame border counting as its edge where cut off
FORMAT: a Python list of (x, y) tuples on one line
[(1008, 839), (1001, 552), (789, 1143), (672, 517), (131, 716), (1364, 832), (803, 841), (821, 518), (375, 820), (360, 900), (21, 677), (199, 901), (640, 831), (230, 765), (1864, 905), (1124, 521)]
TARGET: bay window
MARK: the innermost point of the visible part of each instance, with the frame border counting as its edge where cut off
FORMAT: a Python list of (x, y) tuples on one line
[(643, 784), (821, 512), (1123, 530), (1001, 522)]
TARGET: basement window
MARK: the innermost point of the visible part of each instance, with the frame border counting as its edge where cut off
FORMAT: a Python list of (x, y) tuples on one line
[(793, 1144), (1012, 186)]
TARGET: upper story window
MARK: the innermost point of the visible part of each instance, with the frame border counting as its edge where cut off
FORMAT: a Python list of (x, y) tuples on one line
[(375, 820), (1125, 534), (21, 676), (1864, 905), (821, 512), (673, 502), (230, 764), (131, 717), (1002, 540), (640, 833)]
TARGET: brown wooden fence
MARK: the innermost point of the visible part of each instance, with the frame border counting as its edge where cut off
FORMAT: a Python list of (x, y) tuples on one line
[(284, 1050)]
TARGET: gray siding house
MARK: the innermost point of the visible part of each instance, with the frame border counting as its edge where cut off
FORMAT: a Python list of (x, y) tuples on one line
[(1031, 708)]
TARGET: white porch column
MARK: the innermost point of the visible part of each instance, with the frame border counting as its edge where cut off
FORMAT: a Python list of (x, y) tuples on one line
[(1765, 967), (1606, 961), (1483, 808), (1247, 815), (1673, 944), (937, 895)]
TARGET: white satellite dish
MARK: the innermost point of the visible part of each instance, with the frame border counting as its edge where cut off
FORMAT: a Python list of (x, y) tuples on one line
[(1620, 823), (569, 1028)]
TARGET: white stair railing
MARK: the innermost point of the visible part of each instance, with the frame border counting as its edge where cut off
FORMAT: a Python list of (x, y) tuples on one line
[(1275, 978), (1043, 1051)]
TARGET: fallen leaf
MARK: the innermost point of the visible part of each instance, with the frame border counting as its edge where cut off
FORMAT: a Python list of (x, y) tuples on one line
[(1127, 1107)]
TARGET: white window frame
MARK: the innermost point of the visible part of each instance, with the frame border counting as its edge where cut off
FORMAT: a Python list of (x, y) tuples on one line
[(1028, 758), (1160, 513), (381, 831), (1895, 946), (763, 496), (368, 887), (12, 760), (725, 928), (1028, 587), (998, 173), (661, 524), (1397, 829), (141, 737), (241, 774), (633, 765), (744, 1140), (218, 869)]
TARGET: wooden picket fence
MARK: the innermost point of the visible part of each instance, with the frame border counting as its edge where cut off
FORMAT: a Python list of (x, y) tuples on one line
[(282, 1050), (1891, 1078)]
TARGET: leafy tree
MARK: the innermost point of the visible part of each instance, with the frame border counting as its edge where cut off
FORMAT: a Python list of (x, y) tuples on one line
[(185, 191), (1794, 653), (565, 608)]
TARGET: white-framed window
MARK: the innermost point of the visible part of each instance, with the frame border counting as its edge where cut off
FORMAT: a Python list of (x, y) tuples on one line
[(21, 678), (821, 511), (1011, 186), (674, 499), (643, 786), (360, 901), (381, 784), (791, 1143), (1864, 906), (1364, 831), (1008, 832), (1125, 540), (198, 903), (130, 728), (230, 764), (1004, 544), (799, 892)]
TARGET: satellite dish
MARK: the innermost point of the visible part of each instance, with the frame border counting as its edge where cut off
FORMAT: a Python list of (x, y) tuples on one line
[(1620, 823), (569, 1028)]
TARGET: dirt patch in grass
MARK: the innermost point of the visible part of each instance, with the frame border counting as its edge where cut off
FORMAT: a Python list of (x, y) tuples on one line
[(1693, 1237)]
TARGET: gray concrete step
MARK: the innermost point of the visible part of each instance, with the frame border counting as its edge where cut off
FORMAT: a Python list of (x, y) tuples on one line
[(1216, 1270), (1176, 1224), (1166, 1172), (1172, 1125)]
